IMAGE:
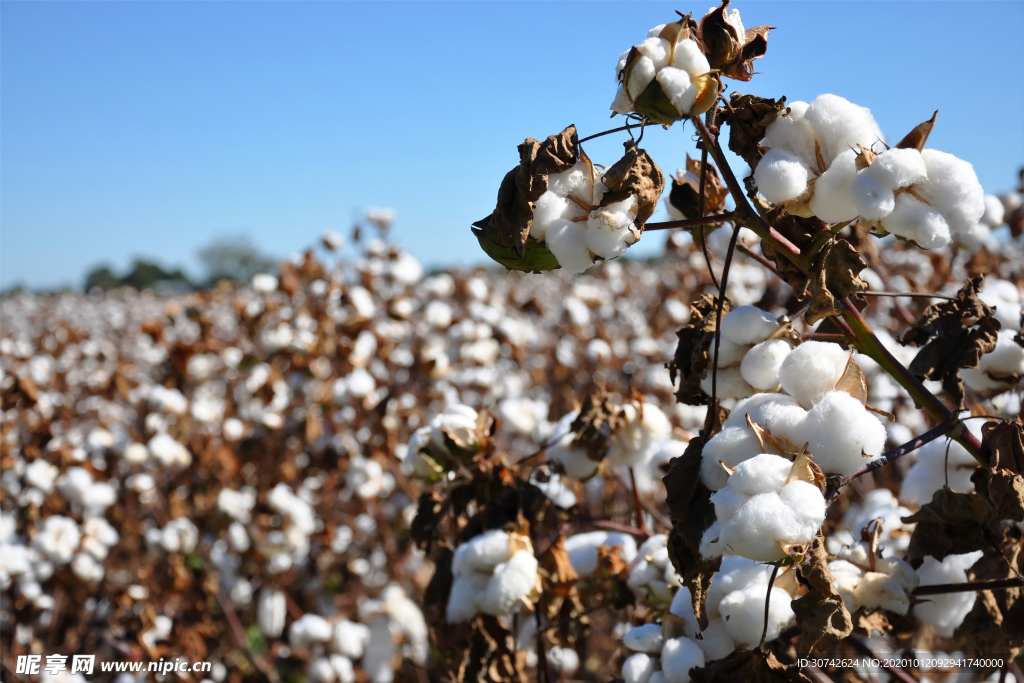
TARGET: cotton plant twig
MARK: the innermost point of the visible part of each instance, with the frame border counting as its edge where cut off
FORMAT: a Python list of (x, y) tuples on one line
[(712, 405), (710, 116), (628, 126), (968, 586), (767, 605), (690, 222), (917, 295), (621, 528)]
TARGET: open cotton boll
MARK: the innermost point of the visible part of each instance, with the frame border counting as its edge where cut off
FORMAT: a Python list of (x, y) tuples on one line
[(512, 581), (568, 242), (717, 642), (759, 407), (938, 461), (743, 614), (646, 638), (784, 421), (995, 213), (781, 176), (876, 589), (678, 656), (582, 549), (748, 325), (761, 474), (812, 369), (640, 77), (807, 504), (729, 353), (895, 168), (728, 501), (842, 434), (1006, 299), (690, 59), (839, 125), (639, 668), (564, 660), (731, 446), (464, 597), (914, 220), (653, 33), (577, 181), (729, 384), (792, 132), (831, 201), (760, 528), (871, 198), (946, 612), (734, 574), (621, 104), (676, 85), (482, 553), (640, 437), (682, 607), (657, 50), (609, 229), (711, 542), (548, 209), (952, 188), (761, 365)]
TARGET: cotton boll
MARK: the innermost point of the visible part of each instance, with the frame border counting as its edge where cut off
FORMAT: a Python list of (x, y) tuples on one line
[(639, 668), (576, 463), (711, 542), (761, 474), (621, 104), (729, 353), (717, 642), (939, 461), (657, 49), (482, 553), (735, 574), (879, 590), (917, 221), (952, 188), (577, 181), (748, 325), (639, 438), (743, 614), (609, 232), (873, 200), (781, 176), (654, 32), (568, 242), (682, 607), (728, 501), (842, 434), (731, 446), (759, 407), (640, 77), (729, 383), (647, 581), (512, 581), (946, 612), (994, 212), (309, 629), (761, 527), (761, 365), (807, 504), (812, 369), (646, 638), (784, 421), (564, 660), (895, 168), (690, 59), (678, 656), (901, 572), (350, 638), (548, 208), (464, 597), (792, 132), (582, 549), (838, 125), (831, 201), (676, 85)]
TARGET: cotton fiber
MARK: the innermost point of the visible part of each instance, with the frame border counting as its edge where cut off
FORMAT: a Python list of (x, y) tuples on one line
[(832, 202), (652, 577), (646, 638), (781, 176), (730, 446), (812, 369), (678, 656), (939, 462), (842, 434), (488, 577), (743, 614)]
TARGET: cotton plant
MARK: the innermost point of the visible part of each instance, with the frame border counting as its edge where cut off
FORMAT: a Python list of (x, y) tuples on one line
[(452, 435), (494, 573)]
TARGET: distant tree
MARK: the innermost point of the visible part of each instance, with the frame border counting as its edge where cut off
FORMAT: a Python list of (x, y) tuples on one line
[(234, 258), (143, 275), (102, 277)]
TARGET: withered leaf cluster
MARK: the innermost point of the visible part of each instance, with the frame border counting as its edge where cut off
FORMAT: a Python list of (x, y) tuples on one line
[(748, 116), (559, 602), (728, 47), (836, 276), (953, 334), (637, 174), (951, 524), (823, 618), (491, 655), (685, 192), (1003, 480), (748, 666), (694, 353)]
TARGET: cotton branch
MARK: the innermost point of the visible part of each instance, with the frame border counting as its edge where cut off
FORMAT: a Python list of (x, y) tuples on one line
[(690, 222)]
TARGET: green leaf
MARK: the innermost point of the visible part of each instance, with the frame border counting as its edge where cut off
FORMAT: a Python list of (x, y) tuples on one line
[(537, 258)]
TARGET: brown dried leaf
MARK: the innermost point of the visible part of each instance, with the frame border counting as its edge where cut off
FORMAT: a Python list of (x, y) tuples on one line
[(748, 116), (853, 381), (426, 526), (951, 524), (867, 623), (598, 418), (805, 469), (685, 192), (917, 138), (689, 502), (559, 602), (637, 174), (836, 276), (491, 656), (821, 614), (748, 666), (693, 358), (995, 625), (1002, 481), (953, 334)]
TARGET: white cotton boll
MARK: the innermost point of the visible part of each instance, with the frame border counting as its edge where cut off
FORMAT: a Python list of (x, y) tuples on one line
[(564, 660), (270, 612), (952, 188), (917, 221), (309, 629), (873, 200), (994, 212), (690, 59), (807, 503), (831, 201), (785, 421), (646, 638), (87, 568), (901, 572), (350, 638), (168, 452), (760, 407), (845, 577), (1007, 358), (657, 49), (464, 597), (760, 528), (640, 77), (879, 590), (654, 32), (945, 612), (682, 607), (843, 435), (621, 104), (676, 85), (781, 176), (556, 491), (678, 656), (731, 446), (640, 437), (729, 353), (568, 242), (582, 549), (763, 473), (812, 369), (319, 671), (792, 132), (734, 574), (717, 642), (512, 581), (838, 125), (380, 651), (748, 325), (548, 208), (728, 384), (939, 461), (1006, 299), (264, 283), (743, 614), (895, 168), (761, 365), (576, 463), (41, 474), (647, 581), (608, 234), (482, 553), (728, 501), (639, 668)]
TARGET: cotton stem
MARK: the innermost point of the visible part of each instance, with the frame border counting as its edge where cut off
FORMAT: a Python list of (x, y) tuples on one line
[(767, 606)]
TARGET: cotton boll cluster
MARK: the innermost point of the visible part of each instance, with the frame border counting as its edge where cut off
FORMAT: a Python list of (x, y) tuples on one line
[(881, 504), (763, 510), (749, 355), (946, 612), (658, 660), (494, 573), (645, 428), (864, 580), (735, 607), (450, 435), (652, 576)]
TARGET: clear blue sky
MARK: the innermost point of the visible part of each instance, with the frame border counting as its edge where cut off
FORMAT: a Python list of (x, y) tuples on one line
[(151, 128)]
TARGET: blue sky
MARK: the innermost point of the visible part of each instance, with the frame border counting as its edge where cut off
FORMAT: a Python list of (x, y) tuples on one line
[(152, 128)]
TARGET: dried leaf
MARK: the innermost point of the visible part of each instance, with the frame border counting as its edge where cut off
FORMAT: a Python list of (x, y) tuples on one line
[(1002, 481), (748, 666), (426, 526), (637, 174), (821, 614), (867, 623), (853, 381), (805, 469), (836, 276), (951, 524), (693, 355), (748, 116), (684, 194), (689, 502), (491, 656), (995, 625), (953, 334), (917, 138), (559, 602), (598, 418)]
